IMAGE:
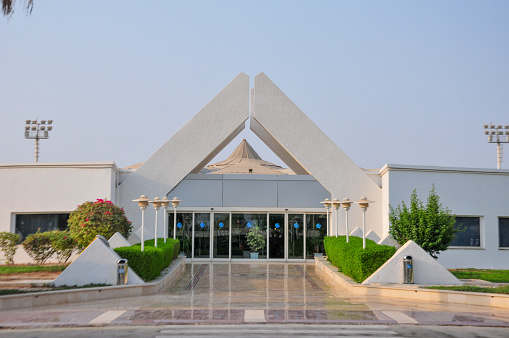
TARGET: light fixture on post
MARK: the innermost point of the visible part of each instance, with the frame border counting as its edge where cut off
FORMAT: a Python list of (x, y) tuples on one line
[(327, 204), (175, 203), (497, 135), (336, 204), (142, 203), (164, 203), (346, 204), (37, 130), (364, 204), (157, 204)]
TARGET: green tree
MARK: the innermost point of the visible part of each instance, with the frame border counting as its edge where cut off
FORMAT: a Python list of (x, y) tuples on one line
[(431, 226), (101, 217)]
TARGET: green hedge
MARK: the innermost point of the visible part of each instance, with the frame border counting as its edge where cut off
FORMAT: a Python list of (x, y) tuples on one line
[(354, 261), (149, 263)]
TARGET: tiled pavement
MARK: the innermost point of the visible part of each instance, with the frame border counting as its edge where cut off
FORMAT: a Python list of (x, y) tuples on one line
[(224, 293)]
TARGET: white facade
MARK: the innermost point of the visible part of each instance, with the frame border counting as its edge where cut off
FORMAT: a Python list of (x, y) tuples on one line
[(467, 192), (52, 188), (40, 188)]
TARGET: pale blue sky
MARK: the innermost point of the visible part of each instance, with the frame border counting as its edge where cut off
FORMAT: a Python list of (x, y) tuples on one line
[(408, 82)]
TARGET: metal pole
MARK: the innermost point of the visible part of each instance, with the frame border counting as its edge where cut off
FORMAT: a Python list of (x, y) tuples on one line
[(327, 210), (142, 225), (37, 147), (165, 223), (499, 154), (346, 210), (155, 231), (337, 222), (364, 228), (174, 222)]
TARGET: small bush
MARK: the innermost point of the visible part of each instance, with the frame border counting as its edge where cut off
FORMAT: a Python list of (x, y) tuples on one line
[(149, 263), (8, 244), (38, 246), (63, 245), (354, 261), (97, 218)]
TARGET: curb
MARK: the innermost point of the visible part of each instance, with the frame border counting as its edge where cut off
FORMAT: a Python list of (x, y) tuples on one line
[(409, 292), (173, 274)]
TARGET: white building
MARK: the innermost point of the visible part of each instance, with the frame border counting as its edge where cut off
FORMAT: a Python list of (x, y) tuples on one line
[(220, 203)]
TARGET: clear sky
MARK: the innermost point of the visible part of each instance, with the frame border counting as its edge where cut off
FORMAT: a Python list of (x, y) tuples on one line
[(409, 82)]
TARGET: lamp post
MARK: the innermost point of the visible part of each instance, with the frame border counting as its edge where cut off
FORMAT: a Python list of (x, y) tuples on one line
[(327, 204), (496, 135), (346, 203), (157, 204), (336, 204), (35, 130), (142, 203), (164, 203), (364, 203), (175, 203)]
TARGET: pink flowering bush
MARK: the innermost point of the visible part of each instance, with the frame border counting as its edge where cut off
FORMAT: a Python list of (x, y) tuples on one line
[(101, 217)]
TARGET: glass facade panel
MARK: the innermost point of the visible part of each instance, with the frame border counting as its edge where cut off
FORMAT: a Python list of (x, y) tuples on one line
[(295, 236), (276, 236), (221, 246), (503, 232), (184, 230), (472, 234), (241, 225), (316, 230), (27, 224), (202, 235)]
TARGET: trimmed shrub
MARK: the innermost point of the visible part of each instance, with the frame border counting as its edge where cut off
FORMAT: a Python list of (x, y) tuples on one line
[(38, 246), (63, 245), (149, 263), (101, 217), (354, 261), (8, 244)]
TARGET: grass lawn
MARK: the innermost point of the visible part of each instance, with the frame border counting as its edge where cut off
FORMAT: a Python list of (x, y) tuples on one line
[(495, 276), (13, 269), (471, 288)]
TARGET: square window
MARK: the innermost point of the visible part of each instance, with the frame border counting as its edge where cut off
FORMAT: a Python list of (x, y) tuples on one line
[(503, 232), (472, 234)]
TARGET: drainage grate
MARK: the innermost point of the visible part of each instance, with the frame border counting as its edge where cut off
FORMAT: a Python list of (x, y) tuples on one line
[(308, 278), (196, 277)]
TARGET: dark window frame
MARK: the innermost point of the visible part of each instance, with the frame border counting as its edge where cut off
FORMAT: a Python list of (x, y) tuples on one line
[(42, 221), (500, 239), (472, 239)]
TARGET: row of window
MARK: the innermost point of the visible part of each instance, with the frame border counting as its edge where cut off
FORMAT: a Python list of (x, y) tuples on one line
[(471, 237)]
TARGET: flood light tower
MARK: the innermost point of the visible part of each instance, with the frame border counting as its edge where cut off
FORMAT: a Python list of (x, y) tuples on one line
[(497, 134)]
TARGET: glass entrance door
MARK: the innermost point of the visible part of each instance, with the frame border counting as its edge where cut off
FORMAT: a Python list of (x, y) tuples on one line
[(201, 235), (276, 236), (295, 236), (221, 237)]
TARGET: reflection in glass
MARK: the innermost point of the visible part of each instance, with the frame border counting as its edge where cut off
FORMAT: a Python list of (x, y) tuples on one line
[(316, 230), (276, 236), (221, 235), (241, 224), (201, 235), (295, 236), (184, 231)]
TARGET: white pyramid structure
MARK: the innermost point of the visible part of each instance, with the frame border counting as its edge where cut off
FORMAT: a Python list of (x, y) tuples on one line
[(118, 241), (97, 264), (426, 269), (278, 122)]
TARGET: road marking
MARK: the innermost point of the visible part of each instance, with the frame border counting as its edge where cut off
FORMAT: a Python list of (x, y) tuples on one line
[(400, 317), (254, 316), (106, 317)]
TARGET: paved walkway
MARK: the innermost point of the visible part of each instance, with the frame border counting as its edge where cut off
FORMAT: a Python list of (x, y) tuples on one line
[(224, 293)]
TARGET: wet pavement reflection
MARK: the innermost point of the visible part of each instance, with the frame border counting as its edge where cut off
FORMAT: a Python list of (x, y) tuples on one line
[(254, 293)]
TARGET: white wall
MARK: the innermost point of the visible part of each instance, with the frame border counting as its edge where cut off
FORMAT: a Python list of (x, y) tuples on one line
[(466, 192), (52, 187)]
